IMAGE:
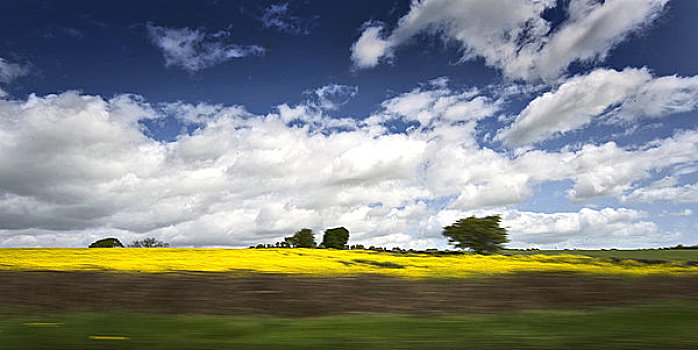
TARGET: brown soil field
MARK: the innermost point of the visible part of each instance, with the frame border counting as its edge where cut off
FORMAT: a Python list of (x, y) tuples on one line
[(280, 295)]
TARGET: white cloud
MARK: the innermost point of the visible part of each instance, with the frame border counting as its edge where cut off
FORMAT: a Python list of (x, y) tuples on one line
[(11, 71), (370, 48), (685, 212), (501, 191), (194, 49), (660, 97), (573, 104), (439, 104), (591, 31), (81, 166), (607, 169), (603, 94), (332, 96), (278, 16), (519, 41), (202, 113), (66, 169), (309, 114), (678, 194), (587, 228), (481, 177)]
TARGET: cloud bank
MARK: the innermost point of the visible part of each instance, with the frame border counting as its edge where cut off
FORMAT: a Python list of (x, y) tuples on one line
[(77, 167)]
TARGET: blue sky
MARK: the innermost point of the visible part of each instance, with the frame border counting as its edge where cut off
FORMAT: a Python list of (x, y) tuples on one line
[(217, 123)]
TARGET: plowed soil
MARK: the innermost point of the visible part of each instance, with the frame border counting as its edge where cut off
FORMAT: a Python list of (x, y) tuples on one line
[(279, 295)]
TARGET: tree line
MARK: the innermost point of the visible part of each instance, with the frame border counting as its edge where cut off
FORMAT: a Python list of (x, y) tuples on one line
[(481, 235), (336, 238), (111, 242)]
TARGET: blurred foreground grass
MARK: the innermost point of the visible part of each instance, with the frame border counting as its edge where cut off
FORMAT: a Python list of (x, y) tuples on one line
[(659, 326)]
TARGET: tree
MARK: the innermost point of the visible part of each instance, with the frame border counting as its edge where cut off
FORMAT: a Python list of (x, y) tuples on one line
[(107, 243), (148, 242), (482, 235), (335, 238), (283, 244), (302, 239)]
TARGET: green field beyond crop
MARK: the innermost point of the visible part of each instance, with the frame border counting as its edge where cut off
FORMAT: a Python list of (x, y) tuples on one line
[(658, 326), (674, 255)]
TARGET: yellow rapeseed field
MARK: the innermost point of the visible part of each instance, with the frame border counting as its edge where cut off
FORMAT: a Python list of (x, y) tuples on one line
[(314, 262)]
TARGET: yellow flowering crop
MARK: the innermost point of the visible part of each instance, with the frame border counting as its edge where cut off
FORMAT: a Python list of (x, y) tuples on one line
[(315, 262)]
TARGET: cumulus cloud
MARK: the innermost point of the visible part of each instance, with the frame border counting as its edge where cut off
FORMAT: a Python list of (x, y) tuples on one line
[(685, 212), (81, 166), (660, 97), (607, 169), (194, 49), (313, 115), (519, 41), (573, 104), (371, 47), (201, 113), (588, 228), (619, 96), (11, 71), (332, 96), (591, 31), (279, 17), (679, 194), (439, 104), (238, 180)]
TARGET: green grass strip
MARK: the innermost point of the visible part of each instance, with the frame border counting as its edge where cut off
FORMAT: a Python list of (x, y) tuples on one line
[(657, 326)]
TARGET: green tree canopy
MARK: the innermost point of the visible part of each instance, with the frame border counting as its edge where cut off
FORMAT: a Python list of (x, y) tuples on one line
[(302, 239), (107, 243), (335, 238), (482, 235)]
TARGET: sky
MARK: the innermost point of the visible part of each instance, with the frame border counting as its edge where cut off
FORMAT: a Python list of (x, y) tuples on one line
[(227, 124)]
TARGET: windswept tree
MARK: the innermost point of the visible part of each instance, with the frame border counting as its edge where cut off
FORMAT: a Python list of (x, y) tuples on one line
[(482, 235), (148, 242), (304, 238), (110, 242), (335, 238)]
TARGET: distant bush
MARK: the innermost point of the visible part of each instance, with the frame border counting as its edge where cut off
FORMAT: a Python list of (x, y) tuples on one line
[(149, 242), (107, 243), (283, 244), (680, 246)]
